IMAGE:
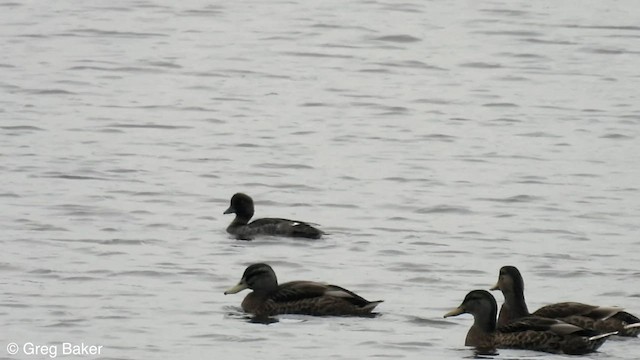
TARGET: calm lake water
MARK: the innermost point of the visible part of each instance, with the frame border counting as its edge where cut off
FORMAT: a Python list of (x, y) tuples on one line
[(434, 140)]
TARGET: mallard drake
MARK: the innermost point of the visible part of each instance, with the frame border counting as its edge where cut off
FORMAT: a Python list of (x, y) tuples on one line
[(296, 297), (242, 206), (598, 318), (529, 333)]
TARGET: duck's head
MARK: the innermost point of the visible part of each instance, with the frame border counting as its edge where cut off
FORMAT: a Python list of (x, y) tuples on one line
[(479, 303), (482, 305), (509, 281), (257, 277), (241, 205)]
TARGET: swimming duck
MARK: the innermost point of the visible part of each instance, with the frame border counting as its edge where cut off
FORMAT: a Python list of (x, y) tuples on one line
[(297, 297), (528, 333), (598, 318), (242, 206)]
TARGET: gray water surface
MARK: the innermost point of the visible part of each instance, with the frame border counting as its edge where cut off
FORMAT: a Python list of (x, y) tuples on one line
[(434, 140)]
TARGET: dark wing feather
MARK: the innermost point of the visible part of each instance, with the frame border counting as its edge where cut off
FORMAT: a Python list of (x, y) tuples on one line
[(298, 290), (626, 317), (350, 296), (267, 222), (536, 323), (532, 323), (313, 298), (565, 309), (282, 227), (619, 322), (549, 335), (603, 319)]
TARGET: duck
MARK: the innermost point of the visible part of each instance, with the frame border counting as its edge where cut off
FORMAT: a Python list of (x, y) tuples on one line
[(269, 298), (242, 206), (587, 316), (528, 333)]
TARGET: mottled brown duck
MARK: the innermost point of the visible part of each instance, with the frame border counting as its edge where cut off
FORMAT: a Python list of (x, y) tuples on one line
[(529, 333), (269, 298), (242, 229), (599, 318)]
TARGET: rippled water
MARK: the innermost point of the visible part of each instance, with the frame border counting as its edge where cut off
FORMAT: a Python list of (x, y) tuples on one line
[(435, 142)]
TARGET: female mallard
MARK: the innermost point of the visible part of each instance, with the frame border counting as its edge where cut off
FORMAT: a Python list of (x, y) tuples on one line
[(529, 333), (605, 319), (242, 206), (296, 297)]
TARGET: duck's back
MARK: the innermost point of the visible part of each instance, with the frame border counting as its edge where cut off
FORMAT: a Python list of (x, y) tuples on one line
[(604, 319), (313, 298), (282, 227), (549, 335)]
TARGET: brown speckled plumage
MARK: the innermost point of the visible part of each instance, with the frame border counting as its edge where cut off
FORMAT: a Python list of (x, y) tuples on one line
[(297, 297), (529, 333), (603, 319)]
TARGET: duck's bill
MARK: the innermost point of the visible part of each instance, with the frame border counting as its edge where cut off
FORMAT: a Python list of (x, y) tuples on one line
[(230, 210), (236, 289), (495, 287), (455, 312)]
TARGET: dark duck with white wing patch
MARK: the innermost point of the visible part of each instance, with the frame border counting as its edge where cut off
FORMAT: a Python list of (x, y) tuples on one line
[(297, 297), (242, 206), (598, 318)]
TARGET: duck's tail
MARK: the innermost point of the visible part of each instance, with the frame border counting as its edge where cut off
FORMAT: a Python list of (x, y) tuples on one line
[(302, 229), (631, 330), (602, 336), (371, 305), (631, 324)]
